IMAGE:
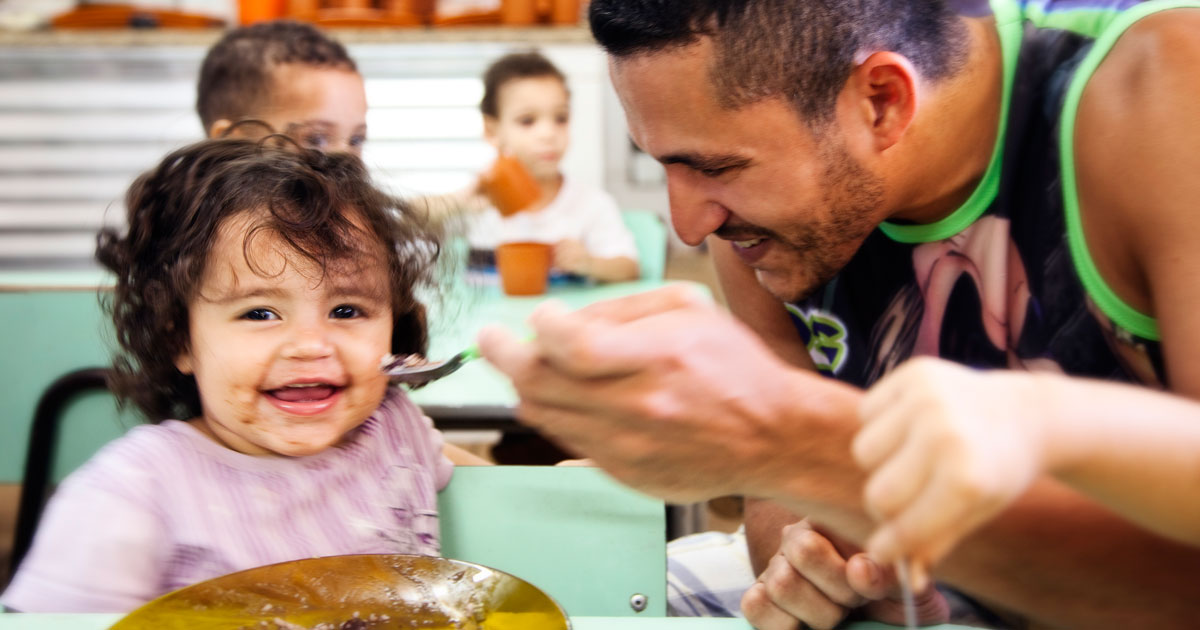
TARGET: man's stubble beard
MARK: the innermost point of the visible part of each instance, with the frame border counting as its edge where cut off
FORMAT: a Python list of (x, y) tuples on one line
[(824, 249)]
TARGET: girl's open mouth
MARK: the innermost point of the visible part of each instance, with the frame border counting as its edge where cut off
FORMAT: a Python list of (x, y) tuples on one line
[(304, 398)]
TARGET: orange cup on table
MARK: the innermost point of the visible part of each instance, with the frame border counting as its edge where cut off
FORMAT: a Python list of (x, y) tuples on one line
[(524, 267), (510, 187), (252, 11)]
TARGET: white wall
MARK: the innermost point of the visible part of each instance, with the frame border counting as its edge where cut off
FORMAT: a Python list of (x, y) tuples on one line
[(77, 125)]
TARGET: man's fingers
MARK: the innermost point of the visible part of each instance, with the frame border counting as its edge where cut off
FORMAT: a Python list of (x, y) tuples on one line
[(632, 307), (815, 557), (502, 349), (932, 608), (880, 585), (799, 597), (584, 345), (762, 613)]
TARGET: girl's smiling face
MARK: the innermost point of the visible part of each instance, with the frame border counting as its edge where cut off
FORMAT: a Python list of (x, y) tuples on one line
[(286, 355)]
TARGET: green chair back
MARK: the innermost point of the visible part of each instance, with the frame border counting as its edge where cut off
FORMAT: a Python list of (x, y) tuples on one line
[(650, 234), (49, 332), (589, 542)]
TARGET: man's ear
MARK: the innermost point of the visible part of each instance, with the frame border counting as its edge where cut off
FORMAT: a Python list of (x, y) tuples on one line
[(489, 130), (219, 127), (885, 89)]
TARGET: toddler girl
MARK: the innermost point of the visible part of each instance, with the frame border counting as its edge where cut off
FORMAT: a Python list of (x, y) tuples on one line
[(257, 289)]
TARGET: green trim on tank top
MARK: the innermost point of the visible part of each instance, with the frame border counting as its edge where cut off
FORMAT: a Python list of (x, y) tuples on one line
[(1009, 27), (1121, 313), (1089, 22)]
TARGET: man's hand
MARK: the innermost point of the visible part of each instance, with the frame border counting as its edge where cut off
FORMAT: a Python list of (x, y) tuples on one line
[(818, 580), (668, 393)]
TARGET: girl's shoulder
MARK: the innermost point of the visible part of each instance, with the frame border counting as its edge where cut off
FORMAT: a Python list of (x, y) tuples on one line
[(145, 444), (399, 426), (132, 465)]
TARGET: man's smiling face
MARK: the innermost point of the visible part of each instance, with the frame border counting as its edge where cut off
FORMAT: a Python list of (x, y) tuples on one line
[(794, 204)]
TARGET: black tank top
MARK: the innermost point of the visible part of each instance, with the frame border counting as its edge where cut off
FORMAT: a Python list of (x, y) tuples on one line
[(1006, 281)]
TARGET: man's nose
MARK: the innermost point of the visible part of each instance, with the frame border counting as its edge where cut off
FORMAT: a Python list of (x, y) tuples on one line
[(693, 214), (308, 341)]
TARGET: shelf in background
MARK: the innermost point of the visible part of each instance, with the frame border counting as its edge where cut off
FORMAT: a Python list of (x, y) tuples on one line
[(533, 35)]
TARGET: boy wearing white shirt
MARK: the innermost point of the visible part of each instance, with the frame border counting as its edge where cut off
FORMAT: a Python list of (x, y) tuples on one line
[(526, 111)]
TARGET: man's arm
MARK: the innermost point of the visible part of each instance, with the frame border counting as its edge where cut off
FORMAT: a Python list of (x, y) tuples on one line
[(765, 315)]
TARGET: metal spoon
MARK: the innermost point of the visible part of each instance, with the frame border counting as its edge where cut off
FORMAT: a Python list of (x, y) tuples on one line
[(402, 369), (906, 590)]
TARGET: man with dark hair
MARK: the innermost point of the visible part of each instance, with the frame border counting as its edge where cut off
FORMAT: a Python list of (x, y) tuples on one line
[(287, 77), (1009, 185)]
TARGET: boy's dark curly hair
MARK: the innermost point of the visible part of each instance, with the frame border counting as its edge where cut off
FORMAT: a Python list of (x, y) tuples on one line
[(322, 205)]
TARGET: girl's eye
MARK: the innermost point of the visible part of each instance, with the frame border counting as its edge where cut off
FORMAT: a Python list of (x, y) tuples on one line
[(526, 121), (259, 315), (345, 311), (563, 119)]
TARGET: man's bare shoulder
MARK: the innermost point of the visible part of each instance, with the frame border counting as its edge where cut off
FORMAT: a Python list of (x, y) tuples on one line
[(1135, 137)]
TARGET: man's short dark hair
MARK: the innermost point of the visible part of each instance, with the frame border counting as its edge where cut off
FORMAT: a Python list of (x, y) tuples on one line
[(522, 65), (236, 79), (799, 50)]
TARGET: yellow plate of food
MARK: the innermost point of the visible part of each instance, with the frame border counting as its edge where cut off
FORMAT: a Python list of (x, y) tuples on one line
[(364, 592)]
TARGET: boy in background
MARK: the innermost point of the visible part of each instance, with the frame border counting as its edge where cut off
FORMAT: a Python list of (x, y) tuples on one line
[(526, 111), (288, 77)]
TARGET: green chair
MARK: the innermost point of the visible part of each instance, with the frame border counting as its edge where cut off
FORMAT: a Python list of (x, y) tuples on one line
[(595, 546), (650, 234)]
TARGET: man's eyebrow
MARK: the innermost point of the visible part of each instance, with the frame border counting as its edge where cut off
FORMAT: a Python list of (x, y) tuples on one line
[(701, 162)]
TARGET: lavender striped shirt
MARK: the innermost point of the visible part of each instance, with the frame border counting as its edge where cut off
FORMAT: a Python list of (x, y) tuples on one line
[(164, 507)]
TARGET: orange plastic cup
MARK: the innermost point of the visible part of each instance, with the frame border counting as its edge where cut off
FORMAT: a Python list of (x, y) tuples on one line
[(518, 12), (510, 187), (251, 11), (565, 12), (524, 267)]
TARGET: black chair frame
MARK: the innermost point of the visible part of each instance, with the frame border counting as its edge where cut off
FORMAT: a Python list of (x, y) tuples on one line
[(35, 486)]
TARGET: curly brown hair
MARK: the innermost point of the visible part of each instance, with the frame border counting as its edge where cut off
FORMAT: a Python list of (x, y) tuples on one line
[(309, 199)]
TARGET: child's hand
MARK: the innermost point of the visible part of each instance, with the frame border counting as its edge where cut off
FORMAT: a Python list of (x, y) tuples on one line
[(572, 257), (948, 448), (473, 198)]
